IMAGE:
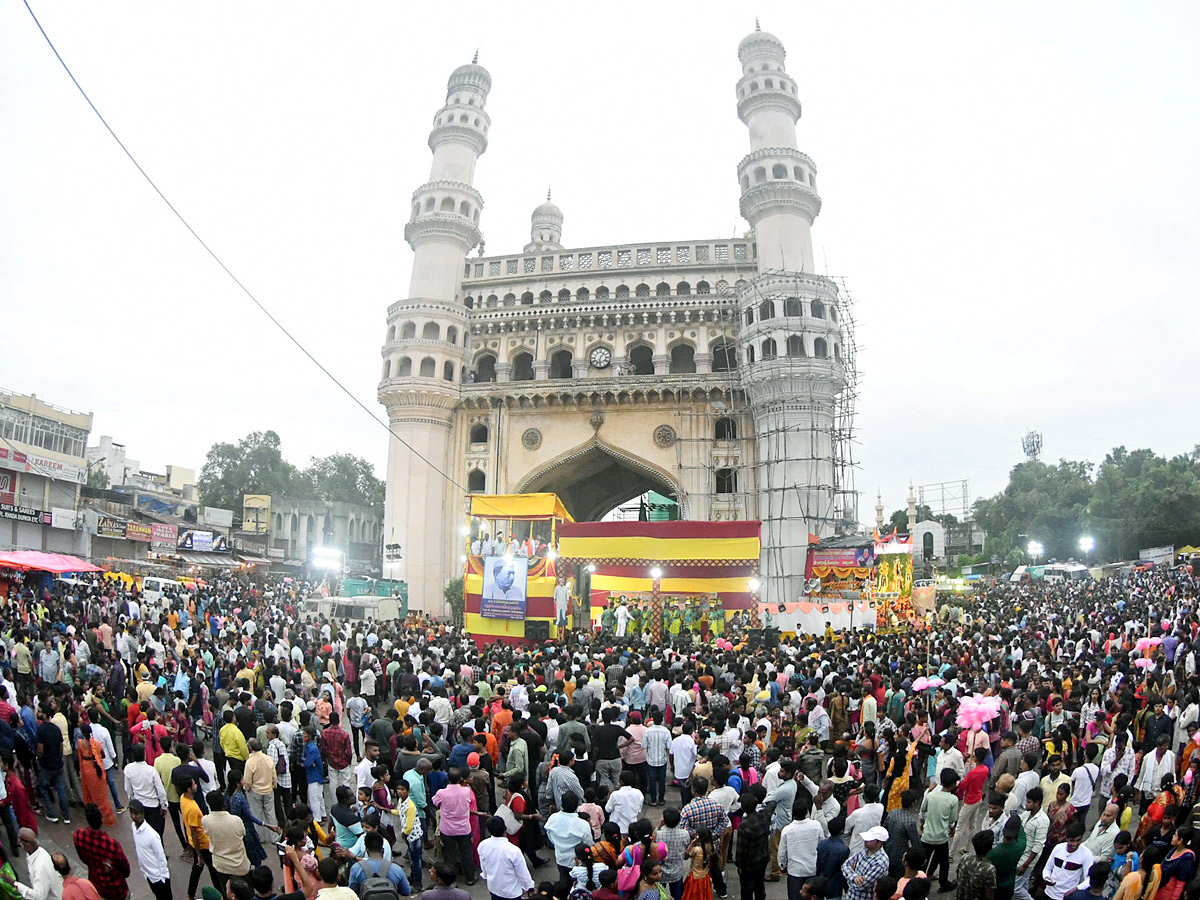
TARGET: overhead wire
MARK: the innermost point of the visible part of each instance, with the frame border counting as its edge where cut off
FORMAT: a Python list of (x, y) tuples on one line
[(217, 259)]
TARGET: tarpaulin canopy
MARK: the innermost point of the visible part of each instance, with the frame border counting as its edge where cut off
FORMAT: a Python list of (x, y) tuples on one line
[(519, 506), (44, 562)]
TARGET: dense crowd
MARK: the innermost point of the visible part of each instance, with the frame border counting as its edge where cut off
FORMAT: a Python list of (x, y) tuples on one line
[(1032, 740)]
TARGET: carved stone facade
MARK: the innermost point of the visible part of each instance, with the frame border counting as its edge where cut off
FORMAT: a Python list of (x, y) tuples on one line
[(602, 372)]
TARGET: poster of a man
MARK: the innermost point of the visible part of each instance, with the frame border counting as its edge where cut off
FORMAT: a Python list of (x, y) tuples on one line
[(504, 586)]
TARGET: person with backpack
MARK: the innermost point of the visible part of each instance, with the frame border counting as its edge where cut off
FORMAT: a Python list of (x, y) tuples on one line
[(374, 878)]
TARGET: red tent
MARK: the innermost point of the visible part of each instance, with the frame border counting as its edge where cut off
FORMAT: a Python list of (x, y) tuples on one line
[(44, 562)]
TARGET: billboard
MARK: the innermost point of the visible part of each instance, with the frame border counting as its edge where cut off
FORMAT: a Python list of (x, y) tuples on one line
[(106, 526), (852, 557), (893, 575), (136, 531), (504, 587), (217, 517), (1160, 556), (202, 541)]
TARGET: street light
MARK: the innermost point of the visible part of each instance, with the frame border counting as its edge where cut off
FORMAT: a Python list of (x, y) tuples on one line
[(754, 584), (656, 573), (1036, 550), (1087, 544)]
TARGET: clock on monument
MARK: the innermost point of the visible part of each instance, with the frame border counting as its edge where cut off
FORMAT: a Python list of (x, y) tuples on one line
[(601, 357)]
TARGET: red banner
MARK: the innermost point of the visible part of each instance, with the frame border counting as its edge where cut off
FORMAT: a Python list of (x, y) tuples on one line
[(136, 531)]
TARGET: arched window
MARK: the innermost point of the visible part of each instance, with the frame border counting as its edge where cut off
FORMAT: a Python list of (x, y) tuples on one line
[(431, 332), (564, 296), (404, 368), (799, 173), (768, 349), (464, 209), (724, 357), (643, 290), (447, 204), (623, 291), (527, 299), (602, 293), (387, 369), (391, 333), (448, 371), (766, 309), (703, 288), (560, 364), (927, 545), (683, 359), (584, 295), (522, 367), (750, 316), (833, 313), (409, 331), (769, 84), (476, 481), (485, 368), (793, 307), (818, 309), (278, 523), (820, 350), (469, 303), (760, 175), (750, 354), (795, 345), (545, 297), (745, 182), (430, 204), (726, 481), (428, 367), (492, 301), (663, 290), (837, 351), (451, 335), (642, 360), (779, 170), (725, 429), (510, 299), (351, 534), (479, 434), (683, 289)]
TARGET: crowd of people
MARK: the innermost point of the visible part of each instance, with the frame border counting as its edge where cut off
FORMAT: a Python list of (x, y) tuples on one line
[(1041, 742)]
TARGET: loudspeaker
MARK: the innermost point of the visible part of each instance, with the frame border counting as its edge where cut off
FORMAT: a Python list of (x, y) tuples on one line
[(763, 639), (537, 630)]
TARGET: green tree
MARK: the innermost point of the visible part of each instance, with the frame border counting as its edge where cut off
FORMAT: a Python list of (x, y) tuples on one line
[(254, 465), (899, 519), (453, 592), (1042, 502), (1142, 499), (344, 477), (97, 478)]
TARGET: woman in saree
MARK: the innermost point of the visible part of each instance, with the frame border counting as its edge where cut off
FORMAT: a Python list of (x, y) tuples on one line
[(1170, 793), (899, 771), (91, 770)]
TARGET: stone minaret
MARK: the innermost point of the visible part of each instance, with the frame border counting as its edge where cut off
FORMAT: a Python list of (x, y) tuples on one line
[(789, 338), (425, 356)]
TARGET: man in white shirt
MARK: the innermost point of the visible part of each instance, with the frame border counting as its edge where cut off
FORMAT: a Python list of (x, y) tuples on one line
[(143, 784), (1083, 782), (683, 761), (798, 847), (1068, 864), (1154, 766), (44, 881), (502, 864), (1104, 834), (104, 738), (948, 757), (865, 817), (152, 859), (624, 806)]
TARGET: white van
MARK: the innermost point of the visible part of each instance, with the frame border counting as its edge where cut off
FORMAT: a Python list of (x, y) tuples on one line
[(154, 588), (354, 609)]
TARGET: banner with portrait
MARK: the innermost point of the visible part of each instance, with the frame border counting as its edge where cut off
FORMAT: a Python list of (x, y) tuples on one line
[(505, 582)]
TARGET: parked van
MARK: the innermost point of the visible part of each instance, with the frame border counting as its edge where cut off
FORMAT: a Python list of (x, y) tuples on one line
[(355, 609), (154, 588)]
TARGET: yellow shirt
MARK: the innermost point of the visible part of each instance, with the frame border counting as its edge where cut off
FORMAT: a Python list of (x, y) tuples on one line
[(164, 765), (189, 810), (402, 708), (233, 742)]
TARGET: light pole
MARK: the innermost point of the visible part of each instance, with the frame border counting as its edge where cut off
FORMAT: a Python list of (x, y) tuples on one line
[(1036, 550), (1087, 544)]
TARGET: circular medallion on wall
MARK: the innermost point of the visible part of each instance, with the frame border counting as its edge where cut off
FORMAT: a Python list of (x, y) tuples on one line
[(531, 439), (664, 436)]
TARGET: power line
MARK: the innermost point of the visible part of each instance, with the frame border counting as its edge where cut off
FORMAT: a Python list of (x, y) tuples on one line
[(266, 312)]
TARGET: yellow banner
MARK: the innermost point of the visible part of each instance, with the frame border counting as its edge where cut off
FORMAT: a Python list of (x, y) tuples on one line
[(622, 584), (658, 548)]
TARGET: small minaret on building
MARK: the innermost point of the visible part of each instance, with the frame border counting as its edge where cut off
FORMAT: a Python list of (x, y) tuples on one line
[(425, 354), (912, 509), (879, 512), (545, 232)]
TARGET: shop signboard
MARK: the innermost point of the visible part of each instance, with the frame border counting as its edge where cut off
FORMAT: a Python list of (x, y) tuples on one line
[(163, 537), (136, 531), (23, 514), (41, 465), (63, 518), (106, 526)]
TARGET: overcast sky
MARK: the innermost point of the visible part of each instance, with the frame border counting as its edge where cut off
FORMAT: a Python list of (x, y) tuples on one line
[(1011, 192)]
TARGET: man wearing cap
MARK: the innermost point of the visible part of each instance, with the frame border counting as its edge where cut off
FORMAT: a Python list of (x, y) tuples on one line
[(864, 869)]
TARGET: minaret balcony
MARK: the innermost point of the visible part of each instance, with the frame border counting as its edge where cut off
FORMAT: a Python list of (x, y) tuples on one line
[(776, 196)]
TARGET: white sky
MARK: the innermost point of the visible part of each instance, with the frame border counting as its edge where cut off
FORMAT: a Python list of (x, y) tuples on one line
[(1010, 191)]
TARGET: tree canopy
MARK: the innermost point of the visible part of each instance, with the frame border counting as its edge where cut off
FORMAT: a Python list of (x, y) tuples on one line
[(255, 465), (1133, 500)]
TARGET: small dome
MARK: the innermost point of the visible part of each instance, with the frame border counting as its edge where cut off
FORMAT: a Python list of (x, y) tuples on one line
[(548, 211), (761, 43), (471, 74)]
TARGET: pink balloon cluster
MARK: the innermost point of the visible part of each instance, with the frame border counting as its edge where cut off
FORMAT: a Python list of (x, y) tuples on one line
[(1143, 663), (1145, 643), (976, 709), (723, 644), (924, 683)]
